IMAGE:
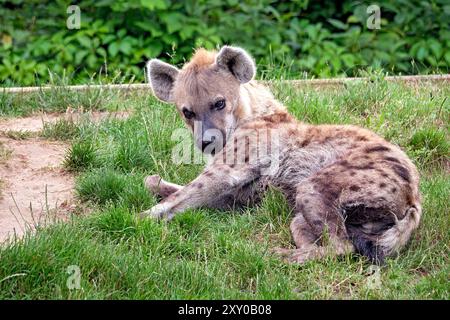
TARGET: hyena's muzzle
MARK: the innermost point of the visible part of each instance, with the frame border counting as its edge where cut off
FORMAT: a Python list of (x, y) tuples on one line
[(208, 137)]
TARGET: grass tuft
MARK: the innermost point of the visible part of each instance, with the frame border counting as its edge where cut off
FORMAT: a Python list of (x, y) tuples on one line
[(19, 134), (5, 153), (431, 145), (62, 129), (80, 156)]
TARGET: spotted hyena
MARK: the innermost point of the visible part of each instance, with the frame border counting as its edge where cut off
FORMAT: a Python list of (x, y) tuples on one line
[(350, 190)]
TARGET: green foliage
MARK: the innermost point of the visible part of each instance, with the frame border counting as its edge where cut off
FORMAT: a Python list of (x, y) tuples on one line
[(322, 38)]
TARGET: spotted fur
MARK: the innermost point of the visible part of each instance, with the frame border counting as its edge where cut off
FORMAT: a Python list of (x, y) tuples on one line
[(342, 181)]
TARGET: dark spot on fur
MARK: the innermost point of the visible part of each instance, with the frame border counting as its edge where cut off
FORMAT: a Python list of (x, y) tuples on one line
[(391, 159), (394, 190), (378, 148), (402, 172), (317, 222), (352, 173), (305, 143), (354, 188), (382, 185), (306, 201), (199, 185), (361, 138), (344, 163), (409, 200), (361, 167), (330, 193)]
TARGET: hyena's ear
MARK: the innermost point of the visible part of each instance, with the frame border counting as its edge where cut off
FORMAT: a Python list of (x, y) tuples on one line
[(238, 62), (161, 76)]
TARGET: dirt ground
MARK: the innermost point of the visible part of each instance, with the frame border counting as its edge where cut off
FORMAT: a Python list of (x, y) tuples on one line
[(34, 187), (36, 122)]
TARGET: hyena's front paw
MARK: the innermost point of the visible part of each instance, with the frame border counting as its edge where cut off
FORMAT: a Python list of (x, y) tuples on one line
[(152, 183), (158, 212), (156, 185)]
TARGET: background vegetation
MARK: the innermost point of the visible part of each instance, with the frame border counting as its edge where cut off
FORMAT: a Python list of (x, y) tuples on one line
[(308, 38)]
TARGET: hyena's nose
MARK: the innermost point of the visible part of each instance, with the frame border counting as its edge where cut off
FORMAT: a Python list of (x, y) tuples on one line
[(207, 143)]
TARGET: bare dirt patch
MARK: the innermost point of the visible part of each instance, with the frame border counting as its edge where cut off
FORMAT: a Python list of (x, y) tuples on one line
[(35, 123), (36, 190)]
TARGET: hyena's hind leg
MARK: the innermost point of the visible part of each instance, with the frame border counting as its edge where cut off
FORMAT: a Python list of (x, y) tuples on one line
[(369, 209), (159, 187), (317, 229)]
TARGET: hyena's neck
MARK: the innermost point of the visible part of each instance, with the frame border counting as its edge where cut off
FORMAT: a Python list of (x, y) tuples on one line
[(256, 100)]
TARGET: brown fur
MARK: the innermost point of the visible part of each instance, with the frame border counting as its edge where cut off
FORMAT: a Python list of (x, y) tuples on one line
[(201, 59), (345, 181)]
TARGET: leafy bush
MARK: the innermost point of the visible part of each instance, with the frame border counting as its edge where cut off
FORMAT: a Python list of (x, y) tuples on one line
[(322, 38)]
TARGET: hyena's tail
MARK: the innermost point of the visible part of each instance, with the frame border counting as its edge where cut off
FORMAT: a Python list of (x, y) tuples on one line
[(387, 240), (393, 239)]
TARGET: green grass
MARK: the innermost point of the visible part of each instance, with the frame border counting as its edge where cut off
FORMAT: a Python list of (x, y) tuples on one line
[(62, 129), (208, 254), (60, 98)]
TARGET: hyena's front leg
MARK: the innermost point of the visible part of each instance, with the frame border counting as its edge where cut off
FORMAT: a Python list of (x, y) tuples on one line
[(156, 185), (214, 183)]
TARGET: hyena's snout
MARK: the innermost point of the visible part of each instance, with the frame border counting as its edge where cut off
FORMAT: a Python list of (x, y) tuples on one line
[(209, 139), (206, 143)]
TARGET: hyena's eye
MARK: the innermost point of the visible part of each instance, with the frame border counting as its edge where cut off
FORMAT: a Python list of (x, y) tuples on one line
[(219, 104), (188, 114)]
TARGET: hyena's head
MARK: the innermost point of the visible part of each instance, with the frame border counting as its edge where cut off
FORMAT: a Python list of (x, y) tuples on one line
[(205, 92)]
